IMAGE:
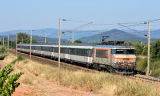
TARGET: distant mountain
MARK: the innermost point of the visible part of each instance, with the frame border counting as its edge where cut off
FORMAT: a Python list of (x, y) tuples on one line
[(88, 36), (114, 34), (51, 33), (155, 34), (39, 39)]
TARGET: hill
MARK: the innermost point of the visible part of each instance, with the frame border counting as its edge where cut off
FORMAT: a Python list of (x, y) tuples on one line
[(39, 38), (114, 34), (89, 35)]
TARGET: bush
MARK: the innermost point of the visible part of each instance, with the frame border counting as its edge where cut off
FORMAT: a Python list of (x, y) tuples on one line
[(8, 82), (2, 50)]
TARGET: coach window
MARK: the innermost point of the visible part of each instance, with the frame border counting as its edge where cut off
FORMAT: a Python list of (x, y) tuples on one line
[(42, 48), (51, 49), (62, 50), (33, 48), (89, 53), (56, 49)]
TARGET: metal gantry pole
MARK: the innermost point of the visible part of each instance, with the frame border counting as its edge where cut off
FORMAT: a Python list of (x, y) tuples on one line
[(148, 61), (72, 36), (8, 41), (16, 44), (30, 51), (59, 44), (59, 51), (45, 39), (3, 41), (11, 44)]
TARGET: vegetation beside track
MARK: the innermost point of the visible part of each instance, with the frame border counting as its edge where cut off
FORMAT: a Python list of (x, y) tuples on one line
[(3, 53), (155, 58), (154, 66), (97, 82), (8, 79)]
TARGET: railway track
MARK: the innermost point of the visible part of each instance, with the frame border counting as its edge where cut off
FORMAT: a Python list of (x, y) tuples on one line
[(69, 66), (146, 78)]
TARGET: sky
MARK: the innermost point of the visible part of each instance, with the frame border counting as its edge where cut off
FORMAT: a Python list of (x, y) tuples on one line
[(39, 14)]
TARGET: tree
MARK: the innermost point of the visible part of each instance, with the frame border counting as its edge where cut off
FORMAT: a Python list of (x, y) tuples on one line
[(139, 48), (77, 41), (155, 49), (145, 49), (24, 38), (129, 43)]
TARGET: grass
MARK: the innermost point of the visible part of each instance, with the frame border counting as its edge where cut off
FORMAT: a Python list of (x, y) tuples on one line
[(98, 82), (141, 64)]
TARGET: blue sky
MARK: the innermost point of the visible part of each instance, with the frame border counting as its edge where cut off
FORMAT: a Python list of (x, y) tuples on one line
[(37, 14)]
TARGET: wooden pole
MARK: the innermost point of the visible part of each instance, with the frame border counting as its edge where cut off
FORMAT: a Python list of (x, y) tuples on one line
[(148, 61), (30, 52), (59, 43), (59, 50)]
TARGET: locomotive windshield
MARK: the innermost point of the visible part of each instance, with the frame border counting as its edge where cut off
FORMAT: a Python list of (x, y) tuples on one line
[(123, 51)]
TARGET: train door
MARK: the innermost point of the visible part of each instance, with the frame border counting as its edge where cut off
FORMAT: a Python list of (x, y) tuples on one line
[(52, 52), (90, 58)]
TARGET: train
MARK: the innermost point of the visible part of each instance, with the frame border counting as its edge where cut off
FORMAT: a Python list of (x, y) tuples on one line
[(109, 57)]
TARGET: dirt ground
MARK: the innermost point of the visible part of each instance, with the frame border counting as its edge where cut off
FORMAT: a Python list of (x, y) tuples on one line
[(40, 86)]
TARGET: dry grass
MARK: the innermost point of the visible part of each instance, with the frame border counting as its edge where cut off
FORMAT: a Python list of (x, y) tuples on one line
[(99, 82)]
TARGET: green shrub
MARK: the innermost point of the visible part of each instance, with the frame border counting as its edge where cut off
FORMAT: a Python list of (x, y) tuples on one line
[(2, 50), (8, 82)]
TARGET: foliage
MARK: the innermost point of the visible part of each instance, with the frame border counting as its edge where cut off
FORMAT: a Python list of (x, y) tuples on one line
[(3, 53), (25, 38), (139, 48), (77, 41), (2, 50), (69, 42), (144, 51), (155, 49), (19, 58), (8, 82), (141, 64), (129, 43)]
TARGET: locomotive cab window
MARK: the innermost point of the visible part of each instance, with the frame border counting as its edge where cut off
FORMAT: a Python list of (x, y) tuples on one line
[(123, 51), (120, 51)]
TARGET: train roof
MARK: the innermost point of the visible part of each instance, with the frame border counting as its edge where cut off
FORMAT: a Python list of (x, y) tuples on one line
[(115, 46), (89, 46)]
